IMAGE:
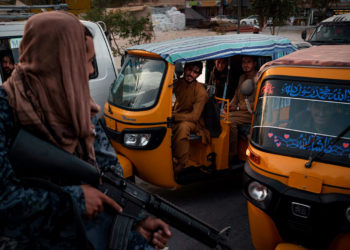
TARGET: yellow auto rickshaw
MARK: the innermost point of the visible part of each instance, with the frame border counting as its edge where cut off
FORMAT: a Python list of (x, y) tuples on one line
[(138, 113), (297, 176)]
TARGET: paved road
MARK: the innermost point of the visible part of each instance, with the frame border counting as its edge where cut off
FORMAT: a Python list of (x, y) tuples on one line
[(219, 203)]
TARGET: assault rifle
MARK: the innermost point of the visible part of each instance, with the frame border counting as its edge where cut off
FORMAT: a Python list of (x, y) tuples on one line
[(31, 156)]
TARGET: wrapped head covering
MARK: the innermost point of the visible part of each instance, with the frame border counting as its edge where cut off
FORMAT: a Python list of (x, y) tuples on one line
[(49, 88)]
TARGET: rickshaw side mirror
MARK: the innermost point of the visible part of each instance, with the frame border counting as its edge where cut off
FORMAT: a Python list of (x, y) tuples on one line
[(179, 70), (303, 35), (247, 87)]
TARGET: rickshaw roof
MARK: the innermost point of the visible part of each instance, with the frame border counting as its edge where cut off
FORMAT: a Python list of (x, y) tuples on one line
[(320, 56), (202, 48)]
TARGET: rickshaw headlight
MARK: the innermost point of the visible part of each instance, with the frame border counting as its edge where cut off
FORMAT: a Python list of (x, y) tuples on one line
[(258, 191), (137, 140), (347, 214)]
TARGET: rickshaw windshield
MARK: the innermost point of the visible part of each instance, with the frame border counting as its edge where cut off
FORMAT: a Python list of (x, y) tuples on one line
[(138, 84), (301, 118)]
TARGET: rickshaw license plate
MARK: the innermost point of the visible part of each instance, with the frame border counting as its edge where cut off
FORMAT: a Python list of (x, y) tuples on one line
[(305, 182), (300, 210)]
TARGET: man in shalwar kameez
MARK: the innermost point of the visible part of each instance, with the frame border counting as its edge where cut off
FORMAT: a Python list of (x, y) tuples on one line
[(191, 98), (240, 113)]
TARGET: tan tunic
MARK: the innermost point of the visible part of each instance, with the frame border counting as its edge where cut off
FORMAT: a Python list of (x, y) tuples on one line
[(189, 105), (238, 98), (240, 116)]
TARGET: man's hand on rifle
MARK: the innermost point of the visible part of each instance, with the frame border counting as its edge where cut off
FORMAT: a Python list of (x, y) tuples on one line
[(155, 231), (94, 200)]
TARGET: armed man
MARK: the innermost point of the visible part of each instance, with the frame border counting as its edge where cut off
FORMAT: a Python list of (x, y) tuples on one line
[(48, 95)]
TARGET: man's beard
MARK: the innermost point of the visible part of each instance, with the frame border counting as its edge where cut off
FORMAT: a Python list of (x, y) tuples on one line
[(191, 81)]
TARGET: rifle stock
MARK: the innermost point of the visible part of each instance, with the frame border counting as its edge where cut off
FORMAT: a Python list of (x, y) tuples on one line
[(32, 157)]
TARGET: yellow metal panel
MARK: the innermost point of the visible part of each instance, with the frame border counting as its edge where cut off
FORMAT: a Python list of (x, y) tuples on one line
[(332, 178), (143, 53), (126, 165), (316, 72), (342, 241), (110, 123), (335, 179), (154, 165), (305, 182), (263, 230)]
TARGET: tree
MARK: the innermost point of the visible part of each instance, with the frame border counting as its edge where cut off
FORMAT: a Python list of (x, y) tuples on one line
[(278, 11), (121, 25)]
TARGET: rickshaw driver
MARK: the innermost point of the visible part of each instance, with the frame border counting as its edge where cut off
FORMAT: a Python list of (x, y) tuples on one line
[(191, 98), (240, 113), (319, 118)]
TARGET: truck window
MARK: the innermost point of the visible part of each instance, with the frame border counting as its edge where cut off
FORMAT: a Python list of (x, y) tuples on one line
[(9, 49), (299, 118), (8, 56)]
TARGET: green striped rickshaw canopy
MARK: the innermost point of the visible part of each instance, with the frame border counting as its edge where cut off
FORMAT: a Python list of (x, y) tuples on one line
[(211, 47)]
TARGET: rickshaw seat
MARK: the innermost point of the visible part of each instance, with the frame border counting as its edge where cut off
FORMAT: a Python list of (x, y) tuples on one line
[(211, 116)]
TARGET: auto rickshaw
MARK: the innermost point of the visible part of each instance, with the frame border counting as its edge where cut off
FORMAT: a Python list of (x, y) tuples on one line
[(138, 114), (297, 176)]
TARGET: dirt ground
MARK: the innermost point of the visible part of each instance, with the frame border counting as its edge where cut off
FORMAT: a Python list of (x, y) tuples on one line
[(291, 32)]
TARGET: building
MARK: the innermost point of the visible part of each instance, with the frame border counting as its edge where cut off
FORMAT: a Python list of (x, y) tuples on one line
[(341, 7), (210, 8), (207, 8)]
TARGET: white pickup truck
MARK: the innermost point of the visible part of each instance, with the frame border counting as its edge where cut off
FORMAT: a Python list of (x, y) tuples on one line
[(105, 70)]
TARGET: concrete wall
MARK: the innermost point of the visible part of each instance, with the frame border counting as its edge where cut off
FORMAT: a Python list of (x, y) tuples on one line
[(176, 3)]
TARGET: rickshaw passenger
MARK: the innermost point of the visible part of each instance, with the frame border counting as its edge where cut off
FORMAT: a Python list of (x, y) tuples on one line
[(218, 78), (239, 111), (191, 98)]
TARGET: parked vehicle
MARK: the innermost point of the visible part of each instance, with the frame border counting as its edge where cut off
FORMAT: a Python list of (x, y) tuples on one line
[(297, 176), (105, 70), (138, 113), (223, 18), (250, 20), (333, 30)]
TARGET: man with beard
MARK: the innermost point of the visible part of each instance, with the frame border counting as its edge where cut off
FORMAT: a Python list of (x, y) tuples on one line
[(191, 98), (7, 65), (240, 113)]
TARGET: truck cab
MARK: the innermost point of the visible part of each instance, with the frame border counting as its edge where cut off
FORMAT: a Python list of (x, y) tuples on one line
[(11, 33)]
